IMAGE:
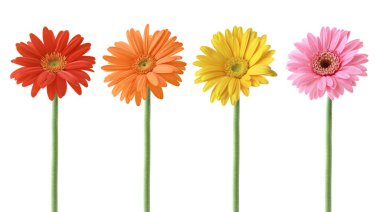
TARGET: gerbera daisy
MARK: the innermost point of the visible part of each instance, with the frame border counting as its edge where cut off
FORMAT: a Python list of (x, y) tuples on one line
[(238, 61), (328, 63), (52, 62), (145, 62)]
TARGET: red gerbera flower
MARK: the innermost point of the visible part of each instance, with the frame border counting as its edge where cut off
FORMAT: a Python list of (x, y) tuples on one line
[(52, 62)]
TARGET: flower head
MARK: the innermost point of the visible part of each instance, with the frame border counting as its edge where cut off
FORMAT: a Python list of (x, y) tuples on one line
[(328, 63), (145, 62), (238, 61), (52, 62)]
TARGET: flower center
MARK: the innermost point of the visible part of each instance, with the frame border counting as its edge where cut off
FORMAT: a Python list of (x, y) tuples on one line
[(236, 67), (325, 63), (144, 64), (53, 62)]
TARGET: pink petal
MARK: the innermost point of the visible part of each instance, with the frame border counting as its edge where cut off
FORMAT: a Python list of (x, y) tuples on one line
[(313, 43), (352, 45), (304, 48), (334, 40), (352, 70), (322, 84), (342, 43), (342, 75), (323, 37), (299, 57), (358, 59), (329, 81)]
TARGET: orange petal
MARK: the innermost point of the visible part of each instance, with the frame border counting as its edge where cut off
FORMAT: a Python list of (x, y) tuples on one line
[(157, 91), (164, 68), (152, 77)]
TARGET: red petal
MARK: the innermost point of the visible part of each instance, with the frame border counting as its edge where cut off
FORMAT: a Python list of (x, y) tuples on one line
[(51, 91), (67, 76), (27, 51), (35, 90), (81, 74), (27, 80), (49, 40), (76, 88), (83, 49), (88, 59), (44, 80), (26, 61), (62, 39), (25, 71), (37, 43), (73, 44), (61, 87), (41, 78), (78, 65)]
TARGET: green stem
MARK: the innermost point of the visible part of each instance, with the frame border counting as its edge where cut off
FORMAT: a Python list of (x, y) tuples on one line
[(147, 154), (328, 153), (236, 158), (54, 170)]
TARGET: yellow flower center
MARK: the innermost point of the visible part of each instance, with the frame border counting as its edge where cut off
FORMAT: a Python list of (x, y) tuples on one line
[(53, 62), (325, 63), (236, 67), (144, 64)]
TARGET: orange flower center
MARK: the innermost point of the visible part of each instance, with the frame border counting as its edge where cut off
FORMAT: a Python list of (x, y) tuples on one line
[(236, 67), (145, 64), (325, 63), (53, 62)]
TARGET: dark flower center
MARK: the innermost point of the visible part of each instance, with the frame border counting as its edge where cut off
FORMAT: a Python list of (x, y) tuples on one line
[(325, 63)]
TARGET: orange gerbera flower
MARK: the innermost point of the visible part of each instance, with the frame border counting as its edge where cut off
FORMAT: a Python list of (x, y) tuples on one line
[(52, 62), (145, 62)]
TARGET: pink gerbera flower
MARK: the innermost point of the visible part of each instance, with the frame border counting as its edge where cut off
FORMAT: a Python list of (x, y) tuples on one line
[(328, 63)]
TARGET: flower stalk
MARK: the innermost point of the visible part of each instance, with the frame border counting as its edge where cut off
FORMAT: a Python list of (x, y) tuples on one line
[(147, 154), (54, 170), (328, 153), (236, 156)]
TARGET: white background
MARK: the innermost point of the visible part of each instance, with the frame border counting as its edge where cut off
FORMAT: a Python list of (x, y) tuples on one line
[(101, 138)]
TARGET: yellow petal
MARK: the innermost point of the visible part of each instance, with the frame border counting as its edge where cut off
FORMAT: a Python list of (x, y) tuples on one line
[(252, 46), (236, 47), (210, 83), (229, 38), (212, 75), (212, 53), (220, 44), (237, 32), (207, 71), (267, 58), (244, 89), (245, 81), (210, 60), (232, 85), (260, 79), (259, 70), (224, 100), (244, 42), (222, 85), (265, 61), (258, 54), (236, 93)]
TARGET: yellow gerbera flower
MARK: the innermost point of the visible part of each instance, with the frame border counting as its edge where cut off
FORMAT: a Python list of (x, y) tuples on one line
[(240, 60)]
